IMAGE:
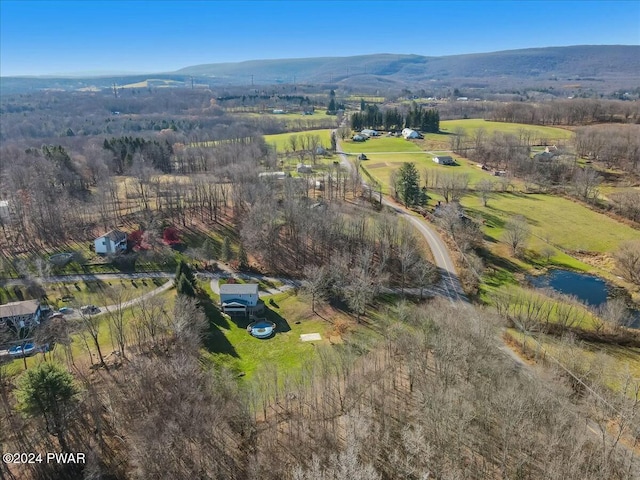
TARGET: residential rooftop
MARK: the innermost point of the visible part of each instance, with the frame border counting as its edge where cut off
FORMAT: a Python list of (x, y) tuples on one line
[(15, 309), (239, 289)]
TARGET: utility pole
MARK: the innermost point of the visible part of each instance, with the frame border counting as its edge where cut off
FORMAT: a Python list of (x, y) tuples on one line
[(252, 80), (115, 89), (191, 83)]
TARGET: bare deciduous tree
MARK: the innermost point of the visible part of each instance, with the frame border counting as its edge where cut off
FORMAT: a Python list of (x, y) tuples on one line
[(516, 233), (628, 261)]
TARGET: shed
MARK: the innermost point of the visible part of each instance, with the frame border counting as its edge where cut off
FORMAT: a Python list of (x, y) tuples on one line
[(444, 160)]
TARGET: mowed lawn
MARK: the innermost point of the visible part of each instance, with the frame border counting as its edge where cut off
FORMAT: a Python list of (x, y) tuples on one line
[(234, 348), (554, 219), (381, 144)]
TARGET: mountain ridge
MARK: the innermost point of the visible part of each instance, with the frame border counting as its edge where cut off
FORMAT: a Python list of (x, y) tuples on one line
[(595, 66)]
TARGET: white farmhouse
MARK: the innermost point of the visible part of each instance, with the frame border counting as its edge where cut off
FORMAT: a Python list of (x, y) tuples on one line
[(113, 241), (408, 133)]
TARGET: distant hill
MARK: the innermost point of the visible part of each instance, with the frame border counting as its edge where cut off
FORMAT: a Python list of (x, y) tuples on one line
[(602, 67), (597, 62)]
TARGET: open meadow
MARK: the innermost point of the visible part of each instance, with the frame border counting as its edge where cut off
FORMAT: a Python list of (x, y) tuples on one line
[(538, 133), (282, 141)]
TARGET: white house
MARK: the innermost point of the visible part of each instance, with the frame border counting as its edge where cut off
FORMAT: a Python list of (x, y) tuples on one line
[(408, 133), (20, 314), (113, 241), (240, 298), (359, 138), (444, 160)]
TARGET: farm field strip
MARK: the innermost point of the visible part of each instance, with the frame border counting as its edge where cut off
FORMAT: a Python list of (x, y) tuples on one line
[(470, 126), (282, 140), (561, 221)]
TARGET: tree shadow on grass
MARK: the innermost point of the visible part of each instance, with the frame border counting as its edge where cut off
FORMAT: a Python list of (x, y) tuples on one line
[(281, 323), (215, 341), (503, 269)]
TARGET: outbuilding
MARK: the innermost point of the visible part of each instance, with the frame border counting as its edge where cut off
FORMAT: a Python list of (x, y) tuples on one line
[(444, 160)]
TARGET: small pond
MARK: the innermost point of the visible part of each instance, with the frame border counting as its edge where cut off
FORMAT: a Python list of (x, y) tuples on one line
[(589, 289)]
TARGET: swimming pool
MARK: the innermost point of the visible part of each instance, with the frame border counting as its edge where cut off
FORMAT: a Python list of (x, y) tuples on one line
[(262, 328)]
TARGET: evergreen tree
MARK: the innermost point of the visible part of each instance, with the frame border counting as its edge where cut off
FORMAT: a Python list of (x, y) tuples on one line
[(243, 261), (408, 186), (225, 253), (185, 287), (209, 249), (48, 390), (184, 270), (334, 142)]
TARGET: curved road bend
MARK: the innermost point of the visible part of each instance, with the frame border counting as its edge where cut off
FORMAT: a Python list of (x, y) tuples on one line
[(450, 285)]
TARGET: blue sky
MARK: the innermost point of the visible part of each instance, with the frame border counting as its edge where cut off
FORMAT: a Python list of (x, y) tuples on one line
[(58, 37)]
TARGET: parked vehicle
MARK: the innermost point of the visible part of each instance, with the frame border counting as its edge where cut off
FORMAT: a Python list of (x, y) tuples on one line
[(89, 309), (66, 310), (25, 350)]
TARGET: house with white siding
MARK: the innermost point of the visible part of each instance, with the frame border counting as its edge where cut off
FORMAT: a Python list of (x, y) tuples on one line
[(113, 241)]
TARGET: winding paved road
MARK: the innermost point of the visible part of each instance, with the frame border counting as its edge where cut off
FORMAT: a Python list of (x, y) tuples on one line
[(449, 286)]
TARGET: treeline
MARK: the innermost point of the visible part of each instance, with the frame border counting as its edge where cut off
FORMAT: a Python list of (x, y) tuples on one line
[(575, 111), (615, 146), (425, 120), (153, 153), (433, 397)]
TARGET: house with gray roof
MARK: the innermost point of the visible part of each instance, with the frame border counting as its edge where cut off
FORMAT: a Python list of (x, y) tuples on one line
[(21, 314), (113, 241), (240, 298)]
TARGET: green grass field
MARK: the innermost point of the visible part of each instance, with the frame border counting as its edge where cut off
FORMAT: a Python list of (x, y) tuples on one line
[(470, 126), (282, 143), (380, 144), (558, 220)]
